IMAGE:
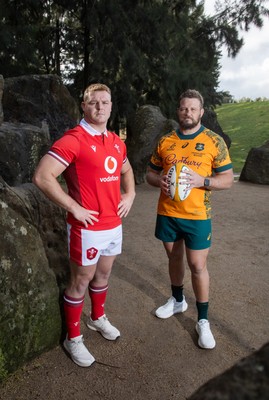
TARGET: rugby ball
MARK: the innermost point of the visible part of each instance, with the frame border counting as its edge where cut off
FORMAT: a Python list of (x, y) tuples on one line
[(177, 189)]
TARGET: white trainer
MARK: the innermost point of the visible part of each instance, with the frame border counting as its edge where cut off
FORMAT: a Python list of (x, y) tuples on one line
[(171, 307), (206, 339), (78, 351), (103, 326)]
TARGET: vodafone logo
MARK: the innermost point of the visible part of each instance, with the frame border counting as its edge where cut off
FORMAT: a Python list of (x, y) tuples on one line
[(110, 164)]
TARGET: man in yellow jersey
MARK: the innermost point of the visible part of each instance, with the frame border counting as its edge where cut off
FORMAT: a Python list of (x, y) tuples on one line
[(184, 221)]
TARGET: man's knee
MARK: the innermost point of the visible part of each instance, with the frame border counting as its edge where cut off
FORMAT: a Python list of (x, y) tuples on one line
[(198, 268)]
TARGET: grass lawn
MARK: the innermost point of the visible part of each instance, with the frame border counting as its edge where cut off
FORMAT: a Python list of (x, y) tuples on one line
[(247, 124)]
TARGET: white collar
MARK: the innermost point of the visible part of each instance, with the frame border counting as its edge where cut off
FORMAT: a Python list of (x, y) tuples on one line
[(90, 129)]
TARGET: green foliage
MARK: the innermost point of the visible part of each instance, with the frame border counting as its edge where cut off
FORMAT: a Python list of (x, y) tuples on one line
[(247, 125), (146, 51)]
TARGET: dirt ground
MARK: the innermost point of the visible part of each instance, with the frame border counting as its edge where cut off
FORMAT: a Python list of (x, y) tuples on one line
[(159, 359)]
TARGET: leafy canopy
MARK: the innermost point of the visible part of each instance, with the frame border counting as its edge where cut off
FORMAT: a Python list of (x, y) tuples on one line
[(146, 51)]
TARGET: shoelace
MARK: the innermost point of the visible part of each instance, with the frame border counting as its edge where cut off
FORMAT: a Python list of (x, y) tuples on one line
[(169, 302), (77, 345), (104, 323), (204, 327)]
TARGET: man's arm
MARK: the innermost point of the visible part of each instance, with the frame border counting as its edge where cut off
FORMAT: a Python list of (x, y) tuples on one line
[(156, 178), (222, 180), (45, 178), (153, 177), (128, 186)]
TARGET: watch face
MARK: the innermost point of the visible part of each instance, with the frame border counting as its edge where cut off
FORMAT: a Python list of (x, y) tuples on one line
[(206, 182)]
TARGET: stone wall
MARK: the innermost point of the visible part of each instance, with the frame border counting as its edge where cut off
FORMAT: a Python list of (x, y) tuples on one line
[(34, 263)]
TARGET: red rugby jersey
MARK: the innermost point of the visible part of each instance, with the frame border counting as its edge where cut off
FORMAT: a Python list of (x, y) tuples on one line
[(94, 164)]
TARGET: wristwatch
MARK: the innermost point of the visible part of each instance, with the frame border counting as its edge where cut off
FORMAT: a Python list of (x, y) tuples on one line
[(207, 183)]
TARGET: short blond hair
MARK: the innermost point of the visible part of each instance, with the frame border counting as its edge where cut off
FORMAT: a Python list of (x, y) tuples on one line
[(94, 88)]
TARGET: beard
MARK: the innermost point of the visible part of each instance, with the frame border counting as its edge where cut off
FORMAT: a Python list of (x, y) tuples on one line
[(185, 123)]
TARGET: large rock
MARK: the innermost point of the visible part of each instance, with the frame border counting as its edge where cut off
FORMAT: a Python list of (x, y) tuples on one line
[(33, 99), (1, 95), (34, 264), (29, 202), (256, 167), (37, 110), (144, 130), (246, 380), (21, 147), (209, 120), (33, 270)]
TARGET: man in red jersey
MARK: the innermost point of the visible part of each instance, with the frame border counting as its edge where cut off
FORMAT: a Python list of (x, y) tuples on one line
[(95, 166)]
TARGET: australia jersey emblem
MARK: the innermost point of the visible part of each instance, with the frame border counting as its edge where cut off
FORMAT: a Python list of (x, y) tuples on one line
[(199, 146)]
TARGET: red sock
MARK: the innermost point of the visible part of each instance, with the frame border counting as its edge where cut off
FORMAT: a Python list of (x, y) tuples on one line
[(98, 298), (73, 310)]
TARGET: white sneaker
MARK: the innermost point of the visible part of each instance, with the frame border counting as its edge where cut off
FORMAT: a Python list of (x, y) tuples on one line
[(103, 326), (78, 352), (206, 339), (171, 307)]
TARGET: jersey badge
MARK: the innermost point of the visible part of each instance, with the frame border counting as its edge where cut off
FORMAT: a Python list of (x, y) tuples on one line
[(199, 146), (93, 148), (117, 147), (91, 253)]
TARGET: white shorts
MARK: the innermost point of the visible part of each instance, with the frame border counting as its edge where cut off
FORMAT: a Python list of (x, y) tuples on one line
[(85, 246)]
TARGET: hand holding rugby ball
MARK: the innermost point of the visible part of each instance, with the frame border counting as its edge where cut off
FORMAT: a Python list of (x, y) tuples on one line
[(177, 191)]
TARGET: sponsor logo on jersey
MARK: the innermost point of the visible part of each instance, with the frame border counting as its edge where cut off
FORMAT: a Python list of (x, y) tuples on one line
[(110, 165), (199, 146), (109, 178), (172, 159), (94, 148), (185, 145)]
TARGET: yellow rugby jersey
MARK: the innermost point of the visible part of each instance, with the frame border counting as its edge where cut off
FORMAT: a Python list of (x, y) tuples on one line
[(204, 152)]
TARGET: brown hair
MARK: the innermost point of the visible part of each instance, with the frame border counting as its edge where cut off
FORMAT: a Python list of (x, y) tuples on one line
[(191, 94)]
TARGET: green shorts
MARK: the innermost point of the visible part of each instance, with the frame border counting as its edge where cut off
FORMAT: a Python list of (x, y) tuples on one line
[(196, 233)]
